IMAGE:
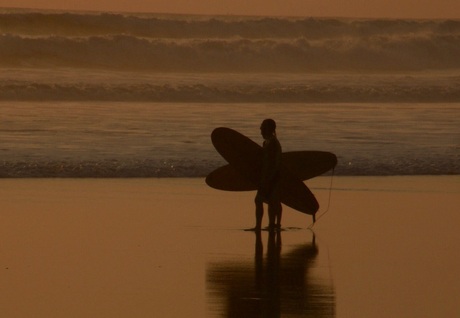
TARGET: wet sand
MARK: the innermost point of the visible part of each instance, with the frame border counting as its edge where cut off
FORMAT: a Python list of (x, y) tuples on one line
[(387, 247)]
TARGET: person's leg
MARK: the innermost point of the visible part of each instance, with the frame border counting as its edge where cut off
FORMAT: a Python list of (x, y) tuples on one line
[(274, 213), (259, 211), (276, 207), (279, 214)]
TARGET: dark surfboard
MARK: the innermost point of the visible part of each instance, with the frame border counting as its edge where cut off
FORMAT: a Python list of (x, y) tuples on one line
[(245, 156)]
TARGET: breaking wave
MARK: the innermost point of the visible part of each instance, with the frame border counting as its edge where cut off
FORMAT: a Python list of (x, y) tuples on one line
[(244, 89), (125, 52), (226, 44), (181, 26)]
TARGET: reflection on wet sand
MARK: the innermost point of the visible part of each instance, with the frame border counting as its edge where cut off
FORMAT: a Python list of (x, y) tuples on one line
[(273, 286)]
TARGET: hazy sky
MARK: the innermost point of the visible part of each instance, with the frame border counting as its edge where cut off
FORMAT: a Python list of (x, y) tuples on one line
[(336, 8)]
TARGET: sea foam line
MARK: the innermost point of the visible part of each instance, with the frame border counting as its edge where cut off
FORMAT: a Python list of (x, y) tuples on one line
[(309, 91)]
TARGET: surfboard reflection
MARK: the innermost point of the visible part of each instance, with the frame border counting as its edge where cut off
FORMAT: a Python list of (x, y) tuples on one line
[(273, 286)]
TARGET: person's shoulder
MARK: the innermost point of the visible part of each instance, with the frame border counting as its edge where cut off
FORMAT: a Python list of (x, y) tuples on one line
[(272, 142)]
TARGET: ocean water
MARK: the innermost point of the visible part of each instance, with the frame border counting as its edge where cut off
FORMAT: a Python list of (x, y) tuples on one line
[(87, 94)]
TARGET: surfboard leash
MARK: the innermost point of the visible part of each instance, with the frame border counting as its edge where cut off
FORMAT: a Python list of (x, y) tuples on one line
[(328, 202)]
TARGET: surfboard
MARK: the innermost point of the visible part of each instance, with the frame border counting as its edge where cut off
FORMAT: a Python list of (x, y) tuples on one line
[(302, 164), (245, 156)]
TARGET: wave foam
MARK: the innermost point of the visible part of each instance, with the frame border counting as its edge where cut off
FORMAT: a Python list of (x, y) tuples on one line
[(215, 44), (342, 89), (193, 169)]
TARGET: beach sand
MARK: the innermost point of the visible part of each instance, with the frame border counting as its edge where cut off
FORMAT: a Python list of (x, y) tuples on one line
[(387, 247)]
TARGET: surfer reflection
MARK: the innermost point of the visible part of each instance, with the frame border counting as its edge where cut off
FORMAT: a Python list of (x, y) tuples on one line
[(276, 285), (269, 189)]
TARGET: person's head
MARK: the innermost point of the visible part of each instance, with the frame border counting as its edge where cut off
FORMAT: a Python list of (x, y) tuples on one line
[(268, 128)]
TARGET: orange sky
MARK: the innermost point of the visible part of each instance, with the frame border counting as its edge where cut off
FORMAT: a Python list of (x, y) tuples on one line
[(336, 8)]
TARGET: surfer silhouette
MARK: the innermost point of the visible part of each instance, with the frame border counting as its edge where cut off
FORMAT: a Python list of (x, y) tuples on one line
[(269, 189)]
